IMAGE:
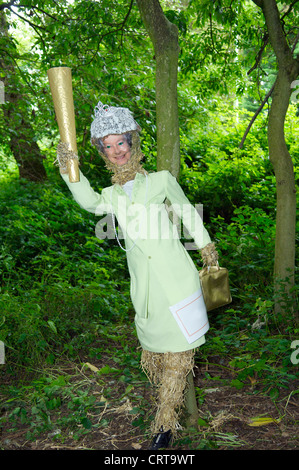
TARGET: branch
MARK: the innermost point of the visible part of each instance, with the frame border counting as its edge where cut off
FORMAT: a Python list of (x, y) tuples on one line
[(211, 33), (289, 9), (28, 21), (7, 5), (34, 7), (126, 18), (259, 109), (113, 31), (259, 54), (275, 30)]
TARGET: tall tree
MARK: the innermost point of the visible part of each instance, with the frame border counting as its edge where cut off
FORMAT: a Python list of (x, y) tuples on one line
[(264, 37), (17, 111), (164, 36), (288, 70)]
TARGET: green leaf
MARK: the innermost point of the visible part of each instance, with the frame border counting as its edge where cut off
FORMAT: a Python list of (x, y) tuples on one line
[(237, 384), (107, 370), (86, 423), (202, 422), (258, 421), (52, 326)]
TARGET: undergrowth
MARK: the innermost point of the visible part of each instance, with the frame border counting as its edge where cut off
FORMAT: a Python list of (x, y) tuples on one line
[(65, 306)]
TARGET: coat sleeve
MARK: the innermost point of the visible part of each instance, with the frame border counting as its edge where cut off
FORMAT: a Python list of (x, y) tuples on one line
[(189, 215), (85, 196)]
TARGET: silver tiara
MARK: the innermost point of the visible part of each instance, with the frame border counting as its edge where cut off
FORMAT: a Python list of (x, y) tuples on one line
[(109, 120)]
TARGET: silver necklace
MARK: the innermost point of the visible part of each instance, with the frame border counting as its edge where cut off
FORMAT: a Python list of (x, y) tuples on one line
[(113, 216)]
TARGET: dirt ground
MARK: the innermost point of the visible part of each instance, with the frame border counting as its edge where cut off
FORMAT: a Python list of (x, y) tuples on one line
[(226, 415)]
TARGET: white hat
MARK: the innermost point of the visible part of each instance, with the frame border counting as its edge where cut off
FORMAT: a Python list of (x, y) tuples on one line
[(112, 120)]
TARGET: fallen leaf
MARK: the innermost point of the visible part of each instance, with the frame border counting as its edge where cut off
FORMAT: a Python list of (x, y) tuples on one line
[(103, 399), (136, 446), (262, 421), (91, 367)]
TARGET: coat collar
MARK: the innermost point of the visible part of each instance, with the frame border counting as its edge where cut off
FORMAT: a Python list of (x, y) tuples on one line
[(138, 180)]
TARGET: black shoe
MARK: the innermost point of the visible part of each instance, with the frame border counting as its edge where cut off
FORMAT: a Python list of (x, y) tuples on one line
[(161, 440)]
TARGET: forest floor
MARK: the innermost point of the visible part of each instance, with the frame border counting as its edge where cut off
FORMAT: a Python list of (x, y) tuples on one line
[(226, 414)]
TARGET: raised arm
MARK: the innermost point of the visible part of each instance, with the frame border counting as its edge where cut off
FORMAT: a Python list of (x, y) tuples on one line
[(82, 192), (84, 195)]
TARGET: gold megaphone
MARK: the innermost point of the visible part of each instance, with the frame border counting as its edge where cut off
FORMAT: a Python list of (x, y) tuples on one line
[(60, 80)]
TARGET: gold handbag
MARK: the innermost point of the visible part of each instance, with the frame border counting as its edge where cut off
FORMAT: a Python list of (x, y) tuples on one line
[(215, 287)]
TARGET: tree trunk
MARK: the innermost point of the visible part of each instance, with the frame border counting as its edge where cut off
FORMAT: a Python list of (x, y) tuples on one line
[(284, 263), (191, 403), (17, 115), (164, 36), (288, 69), (22, 143)]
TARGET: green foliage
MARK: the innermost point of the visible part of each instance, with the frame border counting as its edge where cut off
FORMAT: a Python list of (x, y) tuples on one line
[(46, 395), (64, 293), (59, 405), (56, 275)]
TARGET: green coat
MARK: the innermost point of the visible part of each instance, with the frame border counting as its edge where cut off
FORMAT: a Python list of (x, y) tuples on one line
[(162, 272)]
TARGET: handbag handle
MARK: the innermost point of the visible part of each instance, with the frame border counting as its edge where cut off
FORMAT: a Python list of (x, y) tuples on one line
[(213, 265)]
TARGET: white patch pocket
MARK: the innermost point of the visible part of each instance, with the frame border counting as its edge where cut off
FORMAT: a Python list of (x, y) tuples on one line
[(191, 316)]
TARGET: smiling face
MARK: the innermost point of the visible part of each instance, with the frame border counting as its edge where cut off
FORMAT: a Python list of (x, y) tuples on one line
[(117, 149)]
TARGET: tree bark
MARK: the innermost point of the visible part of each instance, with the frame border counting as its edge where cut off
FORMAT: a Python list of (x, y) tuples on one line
[(284, 263), (164, 36), (288, 70), (191, 402)]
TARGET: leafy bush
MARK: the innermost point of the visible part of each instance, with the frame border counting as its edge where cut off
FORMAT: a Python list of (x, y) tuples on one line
[(56, 275)]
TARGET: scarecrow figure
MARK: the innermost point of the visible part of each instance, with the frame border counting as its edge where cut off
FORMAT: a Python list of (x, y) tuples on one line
[(171, 317)]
